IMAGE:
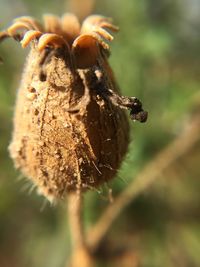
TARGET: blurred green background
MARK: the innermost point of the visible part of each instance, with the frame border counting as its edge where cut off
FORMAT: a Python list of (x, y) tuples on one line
[(155, 57)]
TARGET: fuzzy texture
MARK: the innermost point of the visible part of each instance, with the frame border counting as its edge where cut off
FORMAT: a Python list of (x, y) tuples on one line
[(61, 150), (70, 129)]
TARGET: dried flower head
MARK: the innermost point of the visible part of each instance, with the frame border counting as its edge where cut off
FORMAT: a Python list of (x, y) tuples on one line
[(70, 129)]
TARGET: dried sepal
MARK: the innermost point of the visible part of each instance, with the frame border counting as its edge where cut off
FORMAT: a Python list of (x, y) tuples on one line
[(52, 39), (18, 25), (95, 24), (52, 24), (34, 24), (98, 21), (29, 36), (90, 37), (83, 46), (70, 26), (3, 35)]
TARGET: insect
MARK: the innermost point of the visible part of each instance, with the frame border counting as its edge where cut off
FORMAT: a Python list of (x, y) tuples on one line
[(70, 128)]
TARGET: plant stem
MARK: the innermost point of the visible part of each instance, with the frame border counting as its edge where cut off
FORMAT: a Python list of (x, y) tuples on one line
[(75, 220), (80, 253)]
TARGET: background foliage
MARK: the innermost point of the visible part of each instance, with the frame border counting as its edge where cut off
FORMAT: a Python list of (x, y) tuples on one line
[(155, 57)]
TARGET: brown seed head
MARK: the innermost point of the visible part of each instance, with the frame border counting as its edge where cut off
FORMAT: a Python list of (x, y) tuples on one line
[(70, 132)]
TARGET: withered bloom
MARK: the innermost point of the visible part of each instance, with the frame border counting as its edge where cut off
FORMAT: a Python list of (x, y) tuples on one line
[(70, 129)]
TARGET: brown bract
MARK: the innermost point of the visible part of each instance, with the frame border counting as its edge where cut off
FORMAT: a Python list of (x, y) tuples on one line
[(70, 132)]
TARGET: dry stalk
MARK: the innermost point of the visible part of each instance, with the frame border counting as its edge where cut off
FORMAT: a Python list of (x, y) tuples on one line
[(80, 253), (145, 179)]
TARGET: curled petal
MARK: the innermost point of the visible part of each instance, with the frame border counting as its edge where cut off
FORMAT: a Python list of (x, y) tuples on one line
[(95, 36), (70, 26), (97, 20), (103, 33), (100, 40), (17, 26), (94, 25), (3, 35), (52, 24), (34, 24), (85, 50), (29, 36), (109, 26), (51, 39)]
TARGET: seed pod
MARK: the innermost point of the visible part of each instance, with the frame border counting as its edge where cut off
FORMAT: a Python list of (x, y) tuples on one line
[(70, 129)]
